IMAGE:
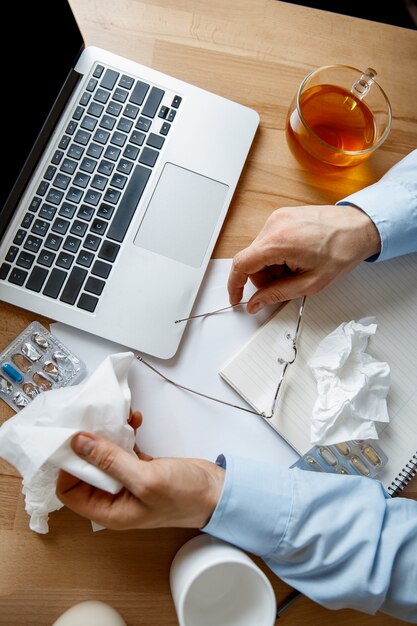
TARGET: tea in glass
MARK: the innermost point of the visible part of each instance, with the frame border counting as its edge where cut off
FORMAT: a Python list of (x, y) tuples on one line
[(339, 116)]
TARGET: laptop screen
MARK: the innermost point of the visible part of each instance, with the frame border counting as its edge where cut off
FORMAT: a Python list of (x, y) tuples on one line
[(46, 42)]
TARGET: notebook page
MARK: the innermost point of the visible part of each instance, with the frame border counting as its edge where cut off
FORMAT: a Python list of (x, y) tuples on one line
[(387, 291)]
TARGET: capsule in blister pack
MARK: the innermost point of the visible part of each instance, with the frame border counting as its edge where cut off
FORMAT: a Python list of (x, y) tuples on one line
[(359, 456), (34, 362)]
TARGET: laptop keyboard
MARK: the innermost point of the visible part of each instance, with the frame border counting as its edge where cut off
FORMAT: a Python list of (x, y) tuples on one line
[(75, 223)]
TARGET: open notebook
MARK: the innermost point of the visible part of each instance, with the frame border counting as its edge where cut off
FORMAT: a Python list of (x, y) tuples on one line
[(387, 291)]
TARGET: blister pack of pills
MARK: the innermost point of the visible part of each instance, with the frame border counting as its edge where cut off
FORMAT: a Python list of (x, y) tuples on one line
[(362, 457), (36, 361)]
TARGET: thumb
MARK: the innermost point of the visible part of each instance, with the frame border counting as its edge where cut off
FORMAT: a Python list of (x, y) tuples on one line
[(108, 456)]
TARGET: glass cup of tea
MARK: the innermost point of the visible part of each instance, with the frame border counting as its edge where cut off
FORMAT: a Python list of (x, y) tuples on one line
[(338, 117)]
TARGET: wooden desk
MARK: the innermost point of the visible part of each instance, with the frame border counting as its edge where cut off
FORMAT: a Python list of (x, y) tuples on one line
[(255, 52)]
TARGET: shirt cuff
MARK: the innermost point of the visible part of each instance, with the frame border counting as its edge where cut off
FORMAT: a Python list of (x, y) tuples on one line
[(391, 204), (249, 514)]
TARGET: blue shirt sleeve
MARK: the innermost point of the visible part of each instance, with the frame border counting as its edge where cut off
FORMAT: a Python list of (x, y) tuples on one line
[(391, 203), (340, 540)]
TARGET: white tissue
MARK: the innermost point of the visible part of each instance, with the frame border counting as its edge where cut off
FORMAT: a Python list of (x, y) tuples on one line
[(37, 440), (352, 386)]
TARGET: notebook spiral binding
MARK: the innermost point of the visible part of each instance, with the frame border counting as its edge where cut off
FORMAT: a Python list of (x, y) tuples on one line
[(404, 477)]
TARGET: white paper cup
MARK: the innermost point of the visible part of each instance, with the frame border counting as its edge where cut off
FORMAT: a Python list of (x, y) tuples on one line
[(215, 584)]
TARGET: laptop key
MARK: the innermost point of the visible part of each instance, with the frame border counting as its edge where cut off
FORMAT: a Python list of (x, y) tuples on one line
[(126, 81), (109, 79), (54, 283), (143, 124), (105, 210), (92, 242), (114, 108), (101, 269), (155, 141), (88, 165), (99, 69), (50, 172), (128, 203), (85, 258), (35, 204), (40, 227), (148, 157), (53, 242), (120, 95), (73, 285), (139, 92), (87, 302), (37, 278), (68, 166), (56, 159), (25, 260), (17, 276), (12, 253), (60, 226), (94, 150), (47, 211), (101, 96), (65, 260), (46, 257), (95, 109), (27, 220), (54, 196), (152, 103), (109, 250), (67, 210), (32, 243), (98, 227), (19, 237), (4, 270), (72, 244), (94, 285), (86, 212), (74, 194)]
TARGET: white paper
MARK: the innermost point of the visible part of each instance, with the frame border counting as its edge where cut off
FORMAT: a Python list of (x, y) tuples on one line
[(352, 386), (37, 440), (386, 290), (178, 423)]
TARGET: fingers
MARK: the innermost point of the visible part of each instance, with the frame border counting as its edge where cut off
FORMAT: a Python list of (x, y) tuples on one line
[(247, 263), (109, 457), (117, 512)]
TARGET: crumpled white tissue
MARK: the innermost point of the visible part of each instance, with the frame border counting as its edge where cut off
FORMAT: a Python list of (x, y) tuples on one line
[(36, 441), (352, 386)]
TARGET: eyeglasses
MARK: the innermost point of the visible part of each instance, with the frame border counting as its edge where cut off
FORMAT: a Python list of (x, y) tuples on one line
[(291, 337)]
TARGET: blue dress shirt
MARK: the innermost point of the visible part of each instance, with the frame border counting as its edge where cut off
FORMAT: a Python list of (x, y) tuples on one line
[(340, 540)]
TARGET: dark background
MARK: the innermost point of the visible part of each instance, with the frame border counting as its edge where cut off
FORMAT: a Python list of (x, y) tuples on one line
[(396, 12)]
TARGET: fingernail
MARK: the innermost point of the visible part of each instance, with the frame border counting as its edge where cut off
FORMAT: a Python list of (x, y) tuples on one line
[(83, 445), (257, 307)]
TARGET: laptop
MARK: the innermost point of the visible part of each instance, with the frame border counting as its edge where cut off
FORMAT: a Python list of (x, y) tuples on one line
[(117, 185)]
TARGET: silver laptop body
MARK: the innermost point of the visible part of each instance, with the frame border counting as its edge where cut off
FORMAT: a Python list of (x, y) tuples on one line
[(159, 264)]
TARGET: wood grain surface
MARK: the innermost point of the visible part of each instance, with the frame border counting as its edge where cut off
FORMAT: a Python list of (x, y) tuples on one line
[(255, 52)]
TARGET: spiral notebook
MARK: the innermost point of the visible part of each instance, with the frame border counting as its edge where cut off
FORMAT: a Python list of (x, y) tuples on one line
[(387, 291)]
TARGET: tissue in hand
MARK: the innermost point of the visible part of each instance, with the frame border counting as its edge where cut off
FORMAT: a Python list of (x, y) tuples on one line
[(352, 386), (37, 440)]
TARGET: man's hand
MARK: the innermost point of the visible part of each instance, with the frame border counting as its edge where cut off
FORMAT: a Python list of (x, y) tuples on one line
[(157, 492), (300, 251)]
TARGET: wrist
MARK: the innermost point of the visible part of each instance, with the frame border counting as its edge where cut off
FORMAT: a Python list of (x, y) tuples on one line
[(368, 240), (215, 481)]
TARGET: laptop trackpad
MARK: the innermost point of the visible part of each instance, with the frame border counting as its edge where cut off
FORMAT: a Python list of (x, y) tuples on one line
[(181, 215)]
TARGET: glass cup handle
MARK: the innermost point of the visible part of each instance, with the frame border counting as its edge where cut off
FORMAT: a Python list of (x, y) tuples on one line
[(361, 87)]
